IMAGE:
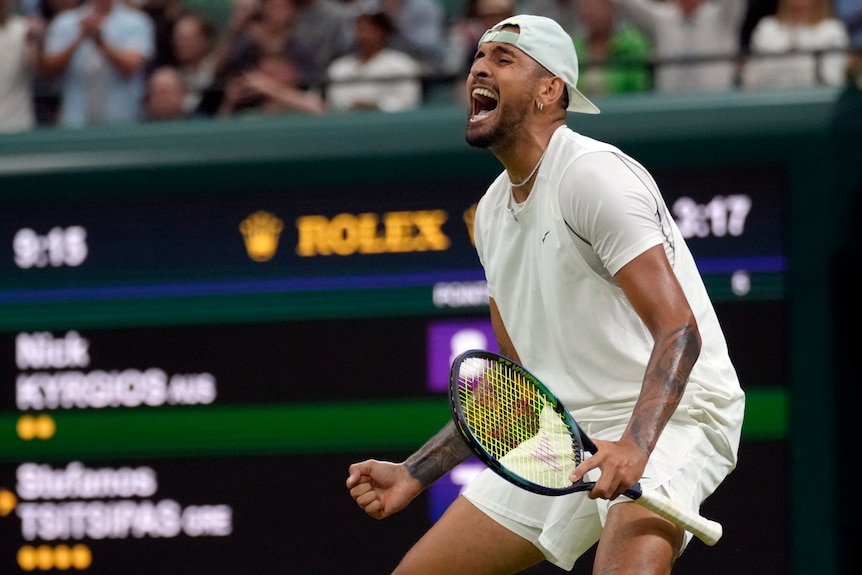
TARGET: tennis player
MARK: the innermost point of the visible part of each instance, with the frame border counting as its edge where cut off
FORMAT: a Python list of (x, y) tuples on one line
[(594, 290)]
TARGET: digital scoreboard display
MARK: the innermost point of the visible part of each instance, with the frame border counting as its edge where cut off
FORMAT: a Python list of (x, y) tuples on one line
[(289, 239), (186, 378)]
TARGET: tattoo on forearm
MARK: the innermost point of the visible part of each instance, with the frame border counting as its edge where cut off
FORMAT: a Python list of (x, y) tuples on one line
[(664, 384), (438, 456)]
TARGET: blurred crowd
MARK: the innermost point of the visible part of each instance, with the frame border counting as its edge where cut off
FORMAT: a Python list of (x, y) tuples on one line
[(76, 63)]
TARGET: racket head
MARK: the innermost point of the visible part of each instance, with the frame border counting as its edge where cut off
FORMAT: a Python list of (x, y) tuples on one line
[(514, 423)]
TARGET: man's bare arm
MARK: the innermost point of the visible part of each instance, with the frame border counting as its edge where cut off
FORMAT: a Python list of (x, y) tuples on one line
[(664, 383), (438, 456), (658, 299)]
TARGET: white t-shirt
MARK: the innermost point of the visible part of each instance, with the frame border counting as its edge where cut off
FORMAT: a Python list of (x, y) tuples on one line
[(787, 59), (550, 268), (712, 30), (348, 89)]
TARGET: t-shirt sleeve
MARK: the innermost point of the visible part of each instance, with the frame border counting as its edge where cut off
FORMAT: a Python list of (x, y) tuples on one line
[(613, 205)]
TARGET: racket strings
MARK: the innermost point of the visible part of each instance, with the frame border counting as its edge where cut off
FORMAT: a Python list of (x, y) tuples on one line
[(515, 424)]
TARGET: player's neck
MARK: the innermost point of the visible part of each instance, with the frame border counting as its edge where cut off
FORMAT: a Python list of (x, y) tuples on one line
[(523, 160), (521, 188)]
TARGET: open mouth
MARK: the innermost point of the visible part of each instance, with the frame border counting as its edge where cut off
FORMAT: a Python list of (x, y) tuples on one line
[(484, 102)]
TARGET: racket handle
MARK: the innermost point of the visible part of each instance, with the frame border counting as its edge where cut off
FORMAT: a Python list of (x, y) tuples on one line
[(704, 529)]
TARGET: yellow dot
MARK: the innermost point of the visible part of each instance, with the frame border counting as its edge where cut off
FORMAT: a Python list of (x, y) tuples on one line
[(8, 501), (81, 557), (44, 557), (26, 427), (27, 558), (62, 557), (45, 427)]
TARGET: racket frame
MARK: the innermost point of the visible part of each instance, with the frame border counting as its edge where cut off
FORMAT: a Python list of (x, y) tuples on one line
[(579, 440), (704, 529)]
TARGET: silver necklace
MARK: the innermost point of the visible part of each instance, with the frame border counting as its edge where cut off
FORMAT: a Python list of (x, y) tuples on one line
[(533, 173)]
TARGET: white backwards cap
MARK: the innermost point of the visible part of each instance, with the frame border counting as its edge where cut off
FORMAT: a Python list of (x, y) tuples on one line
[(545, 41)]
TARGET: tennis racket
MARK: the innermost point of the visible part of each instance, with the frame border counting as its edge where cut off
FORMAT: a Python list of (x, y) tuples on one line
[(519, 428)]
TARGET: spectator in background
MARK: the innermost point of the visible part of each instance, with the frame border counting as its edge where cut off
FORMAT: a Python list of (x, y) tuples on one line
[(19, 45), (194, 51), (328, 25), (165, 96), (50, 8), (243, 14), (272, 31), (374, 76), (757, 9), (854, 75), (420, 28), (850, 12), (272, 88), (100, 50), (564, 12), (705, 32), (46, 91), (465, 32), (164, 15), (614, 56), (784, 47), (464, 35)]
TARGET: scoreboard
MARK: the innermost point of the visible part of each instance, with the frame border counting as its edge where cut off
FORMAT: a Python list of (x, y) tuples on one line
[(201, 330)]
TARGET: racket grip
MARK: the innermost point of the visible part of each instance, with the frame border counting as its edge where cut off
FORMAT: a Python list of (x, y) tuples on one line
[(704, 529)]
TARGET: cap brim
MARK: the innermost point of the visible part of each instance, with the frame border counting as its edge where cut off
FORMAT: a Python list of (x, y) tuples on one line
[(579, 103)]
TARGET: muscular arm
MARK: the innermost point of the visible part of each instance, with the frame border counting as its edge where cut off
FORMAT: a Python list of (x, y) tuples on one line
[(504, 342), (653, 290), (382, 488), (655, 294), (664, 382), (438, 456)]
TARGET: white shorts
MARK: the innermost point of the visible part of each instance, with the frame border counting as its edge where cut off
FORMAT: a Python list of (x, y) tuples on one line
[(685, 466)]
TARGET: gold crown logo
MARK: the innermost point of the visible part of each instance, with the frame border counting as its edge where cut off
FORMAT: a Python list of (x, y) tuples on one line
[(261, 231)]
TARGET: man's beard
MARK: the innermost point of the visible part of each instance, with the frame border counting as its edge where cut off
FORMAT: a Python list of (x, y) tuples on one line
[(501, 132)]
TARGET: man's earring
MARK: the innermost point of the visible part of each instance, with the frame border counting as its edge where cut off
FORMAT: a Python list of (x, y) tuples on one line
[(540, 105)]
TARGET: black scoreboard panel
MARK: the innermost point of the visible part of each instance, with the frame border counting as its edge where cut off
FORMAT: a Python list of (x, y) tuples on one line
[(290, 239), (189, 374), (247, 514), (276, 514), (279, 233), (206, 446), (282, 362)]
